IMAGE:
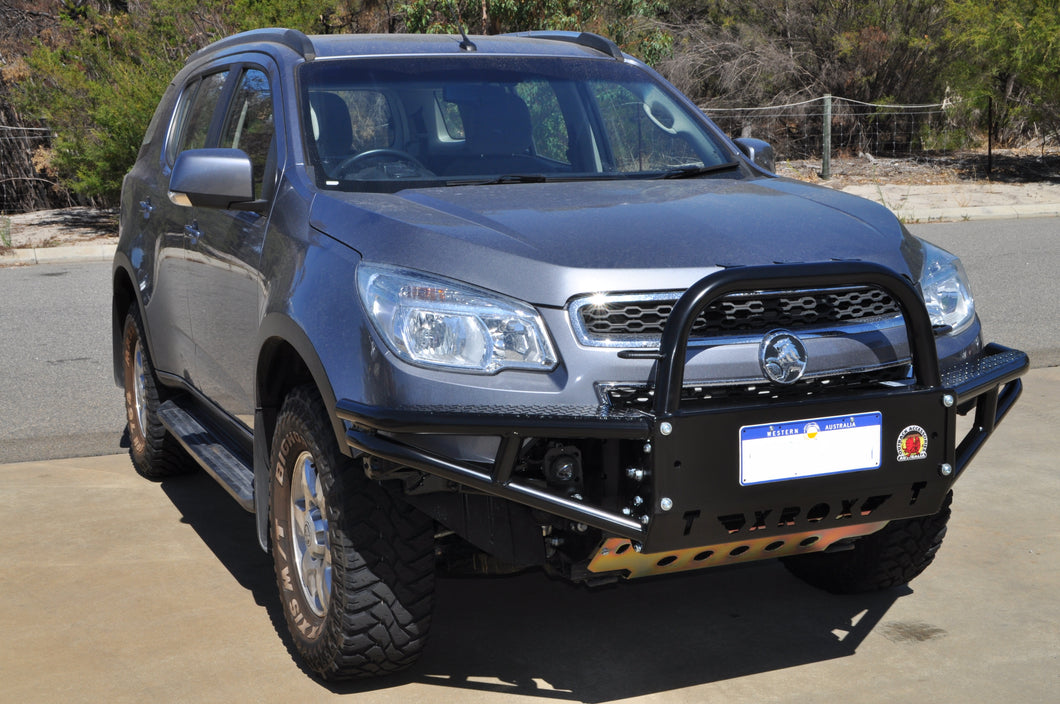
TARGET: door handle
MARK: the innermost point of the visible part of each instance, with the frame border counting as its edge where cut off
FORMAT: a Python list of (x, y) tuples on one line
[(193, 232)]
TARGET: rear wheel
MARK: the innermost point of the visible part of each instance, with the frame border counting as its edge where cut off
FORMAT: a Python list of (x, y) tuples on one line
[(354, 563), (154, 452), (891, 557)]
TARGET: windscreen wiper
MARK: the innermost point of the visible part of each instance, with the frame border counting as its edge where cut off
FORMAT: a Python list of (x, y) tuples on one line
[(689, 171), (492, 181)]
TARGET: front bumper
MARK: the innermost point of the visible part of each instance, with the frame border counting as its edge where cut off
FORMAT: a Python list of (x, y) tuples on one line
[(693, 506)]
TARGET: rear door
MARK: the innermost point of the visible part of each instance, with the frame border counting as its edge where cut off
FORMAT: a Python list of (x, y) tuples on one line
[(169, 319)]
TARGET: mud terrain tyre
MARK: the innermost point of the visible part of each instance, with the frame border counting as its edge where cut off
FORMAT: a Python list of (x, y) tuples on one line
[(891, 557), (354, 563), (154, 452)]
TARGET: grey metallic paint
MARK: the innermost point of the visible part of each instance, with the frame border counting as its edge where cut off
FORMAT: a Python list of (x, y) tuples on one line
[(546, 243)]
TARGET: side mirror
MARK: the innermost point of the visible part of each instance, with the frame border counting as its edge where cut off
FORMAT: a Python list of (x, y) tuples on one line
[(213, 178), (758, 151)]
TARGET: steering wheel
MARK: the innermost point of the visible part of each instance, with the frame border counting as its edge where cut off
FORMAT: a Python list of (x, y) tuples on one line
[(362, 161)]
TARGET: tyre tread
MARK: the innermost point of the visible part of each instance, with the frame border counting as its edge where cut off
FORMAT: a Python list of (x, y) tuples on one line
[(891, 557), (382, 564)]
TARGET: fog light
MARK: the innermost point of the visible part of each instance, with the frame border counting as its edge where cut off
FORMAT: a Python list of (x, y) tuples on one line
[(563, 465)]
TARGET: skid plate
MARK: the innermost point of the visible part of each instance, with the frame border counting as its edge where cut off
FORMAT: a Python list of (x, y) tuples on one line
[(618, 554)]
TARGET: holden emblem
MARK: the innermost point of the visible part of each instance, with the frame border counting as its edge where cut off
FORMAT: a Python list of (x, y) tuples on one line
[(782, 357)]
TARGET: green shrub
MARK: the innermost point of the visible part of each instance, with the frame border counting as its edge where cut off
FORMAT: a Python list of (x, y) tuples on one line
[(96, 77)]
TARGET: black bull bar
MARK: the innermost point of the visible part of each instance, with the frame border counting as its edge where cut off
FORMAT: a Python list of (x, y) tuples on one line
[(696, 495)]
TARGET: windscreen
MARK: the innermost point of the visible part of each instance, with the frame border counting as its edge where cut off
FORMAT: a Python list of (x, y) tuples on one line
[(396, 123)]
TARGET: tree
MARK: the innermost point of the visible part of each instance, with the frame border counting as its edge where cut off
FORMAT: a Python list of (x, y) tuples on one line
[(1011, 52), (748, 53), (755, 52), (95, 77), (100, 68), (630, 23), (22, 186)]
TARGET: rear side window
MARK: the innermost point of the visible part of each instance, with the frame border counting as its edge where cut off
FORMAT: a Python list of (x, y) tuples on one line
[(373, 121), (249, 122), (194, 114), (550, 138), (549, 127), (346, 122)]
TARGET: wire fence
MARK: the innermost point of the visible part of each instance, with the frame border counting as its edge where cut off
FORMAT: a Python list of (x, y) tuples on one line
[(22, 187), (842, 126), (25, 136)]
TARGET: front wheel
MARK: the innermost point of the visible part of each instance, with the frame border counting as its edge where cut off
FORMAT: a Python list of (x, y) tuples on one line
[(354, 563), (890, 557)]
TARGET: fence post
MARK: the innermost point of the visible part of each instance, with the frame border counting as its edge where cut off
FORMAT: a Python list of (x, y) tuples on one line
[(826, 139), (989, 137)]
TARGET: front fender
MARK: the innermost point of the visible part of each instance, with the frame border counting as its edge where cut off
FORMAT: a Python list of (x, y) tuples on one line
[(313, 326)]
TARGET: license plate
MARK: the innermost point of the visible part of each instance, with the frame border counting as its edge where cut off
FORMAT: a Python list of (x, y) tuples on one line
[(813, 447)]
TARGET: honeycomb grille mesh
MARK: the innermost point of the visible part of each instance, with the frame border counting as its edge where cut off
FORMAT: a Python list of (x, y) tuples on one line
[(740, 313)]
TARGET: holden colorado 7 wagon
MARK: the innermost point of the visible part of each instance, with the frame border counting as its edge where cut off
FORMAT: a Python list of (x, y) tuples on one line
[(513, 301)]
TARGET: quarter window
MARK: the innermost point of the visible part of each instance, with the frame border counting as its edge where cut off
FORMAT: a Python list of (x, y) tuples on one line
[(450, 114)]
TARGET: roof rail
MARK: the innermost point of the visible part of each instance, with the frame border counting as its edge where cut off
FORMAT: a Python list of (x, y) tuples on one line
[(586, 39), (290, 38)]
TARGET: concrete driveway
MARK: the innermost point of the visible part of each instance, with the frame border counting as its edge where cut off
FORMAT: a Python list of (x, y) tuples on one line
[(120, 590)]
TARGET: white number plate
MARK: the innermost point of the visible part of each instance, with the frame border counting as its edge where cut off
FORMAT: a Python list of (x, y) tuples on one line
[(810, 448)]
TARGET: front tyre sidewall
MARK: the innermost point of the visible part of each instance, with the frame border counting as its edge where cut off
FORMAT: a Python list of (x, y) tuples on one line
[(305, 624), (361, 604)]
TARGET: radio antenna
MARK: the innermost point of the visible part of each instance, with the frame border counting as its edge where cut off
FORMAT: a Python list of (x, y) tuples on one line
[(465, 44)]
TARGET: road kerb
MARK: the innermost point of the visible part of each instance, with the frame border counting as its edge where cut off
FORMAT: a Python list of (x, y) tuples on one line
[(57, 255)]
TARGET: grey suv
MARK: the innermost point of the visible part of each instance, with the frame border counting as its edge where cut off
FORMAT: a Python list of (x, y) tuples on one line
[(503, 302)]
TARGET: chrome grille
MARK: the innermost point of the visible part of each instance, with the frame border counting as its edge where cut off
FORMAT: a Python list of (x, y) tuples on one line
[(631, 317)]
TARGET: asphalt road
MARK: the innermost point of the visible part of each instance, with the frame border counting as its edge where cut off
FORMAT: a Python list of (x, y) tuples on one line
[(1013, 267), (58, 399), (57, 394)]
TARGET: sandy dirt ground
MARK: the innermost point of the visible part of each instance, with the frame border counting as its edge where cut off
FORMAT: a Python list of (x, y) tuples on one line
[(65, 226)]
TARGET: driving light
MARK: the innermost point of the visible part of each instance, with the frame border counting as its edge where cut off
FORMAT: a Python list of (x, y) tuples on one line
[(945, 287), (435, 322)]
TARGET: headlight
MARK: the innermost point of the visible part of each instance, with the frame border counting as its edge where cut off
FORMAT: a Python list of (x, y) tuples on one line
[(945, 288), (434, 322)]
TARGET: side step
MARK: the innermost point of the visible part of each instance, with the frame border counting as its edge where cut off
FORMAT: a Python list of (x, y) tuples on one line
[(230, 471)]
